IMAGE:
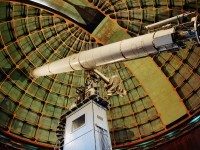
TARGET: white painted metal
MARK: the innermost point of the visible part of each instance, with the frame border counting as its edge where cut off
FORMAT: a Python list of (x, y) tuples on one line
[(160, 23), (87, 136), (53, 68), (120, 51), (162, 38), (132, 48), (105, 79)]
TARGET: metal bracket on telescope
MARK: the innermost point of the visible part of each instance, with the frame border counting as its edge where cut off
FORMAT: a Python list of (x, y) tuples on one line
[(91, 90), (113, 85)]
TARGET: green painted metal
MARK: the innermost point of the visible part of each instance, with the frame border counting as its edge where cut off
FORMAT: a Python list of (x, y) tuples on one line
[(31, 36)]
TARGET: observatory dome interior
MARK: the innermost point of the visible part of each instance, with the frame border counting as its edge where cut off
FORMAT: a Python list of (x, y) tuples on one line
[(163, 91)]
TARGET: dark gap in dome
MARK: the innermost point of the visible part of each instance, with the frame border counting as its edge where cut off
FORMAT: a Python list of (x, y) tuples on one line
[(99, 44), (6, 7), (94, 45), (1, 44), (2, 76), (71, 41), (109, 11), (114, 2), (106, 6), (87, 37), (113, 16), (59, 20), (6, 63), (123, 24), (93, 17), (9, 105), (95, 2), (19, 11), (197, 70), (78, 32), (21, 28), (5, 119), (15, 52), (120, 7), (177, 121), (55, 43), (132, 4), (46, 21), (33, 11), (74, 29), (7, 33), (49, 33), (33, 24), (82, 36), (77, 45), (45, 13), (101, 3)]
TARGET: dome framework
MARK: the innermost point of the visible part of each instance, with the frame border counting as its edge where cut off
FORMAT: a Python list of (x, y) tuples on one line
[(32, 35)]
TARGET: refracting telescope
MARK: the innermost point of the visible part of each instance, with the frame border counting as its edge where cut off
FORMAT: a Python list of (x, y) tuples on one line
[(163, 36)]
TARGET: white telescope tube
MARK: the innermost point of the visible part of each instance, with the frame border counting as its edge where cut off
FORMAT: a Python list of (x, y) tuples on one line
[(141, 46), (120, 51)]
